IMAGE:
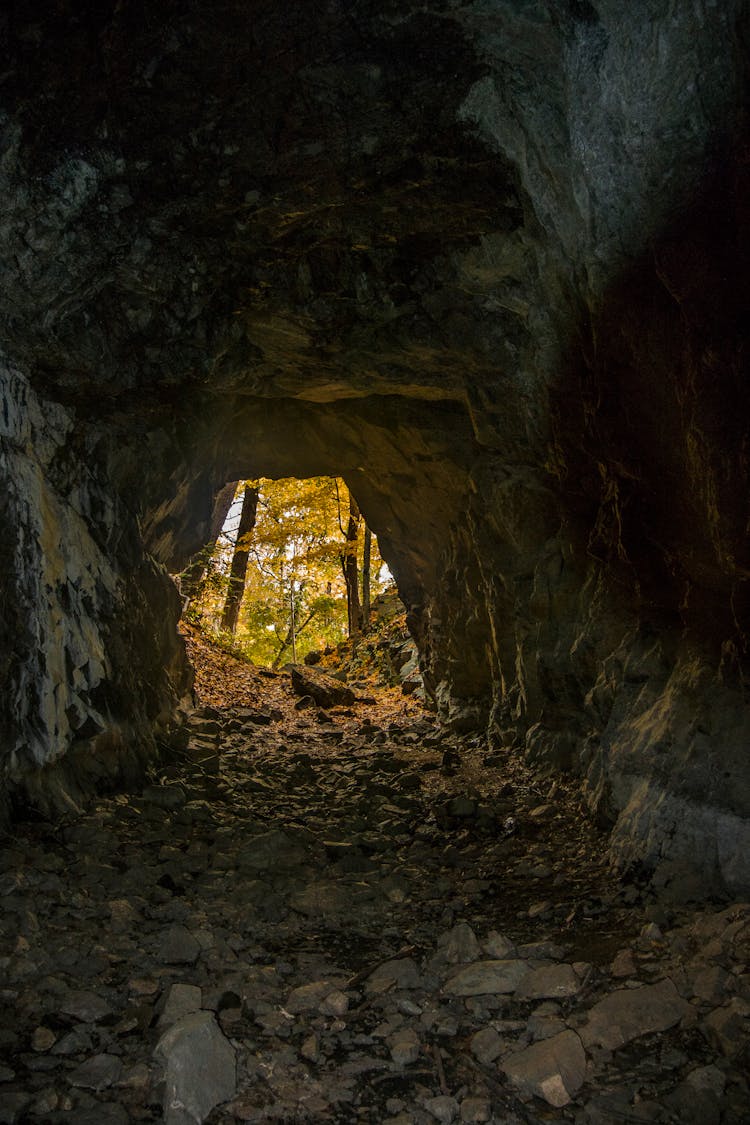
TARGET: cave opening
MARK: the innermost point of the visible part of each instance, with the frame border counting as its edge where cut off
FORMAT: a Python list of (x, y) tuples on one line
[(294, 569)]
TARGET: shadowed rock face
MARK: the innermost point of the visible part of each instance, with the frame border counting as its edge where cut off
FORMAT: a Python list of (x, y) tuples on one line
[(485, 261)]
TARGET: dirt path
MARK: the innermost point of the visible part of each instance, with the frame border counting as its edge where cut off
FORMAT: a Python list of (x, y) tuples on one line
[(345, 916)]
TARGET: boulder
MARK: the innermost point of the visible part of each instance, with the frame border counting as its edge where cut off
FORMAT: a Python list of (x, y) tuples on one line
[(200, 1069), (553, 1069), (324, 689)]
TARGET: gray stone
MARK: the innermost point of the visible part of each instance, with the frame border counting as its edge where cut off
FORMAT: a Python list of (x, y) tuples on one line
[(710, 984), (182, 1000), (404, 1046), (728, 1027), (486, 1045), (549, 982), (86, 1007), (308, 997), (443, 1108), (487, 977), (76, 1042), (179, 947), (498, 946), (629, 1013), (459, 945), (200, 1069), (554, 1069), (97, 1073), (475, 1110), (401, 973)]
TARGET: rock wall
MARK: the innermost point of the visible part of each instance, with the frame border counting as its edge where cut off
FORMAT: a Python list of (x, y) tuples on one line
[(486, 260), (91, 667)]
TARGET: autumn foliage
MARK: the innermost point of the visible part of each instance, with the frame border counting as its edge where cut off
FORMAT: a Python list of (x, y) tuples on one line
[(307, 563)]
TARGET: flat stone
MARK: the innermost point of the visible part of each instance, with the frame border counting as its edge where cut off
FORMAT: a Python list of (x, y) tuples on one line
[(86, 1007), (554, 1069), (549, 982), (710, 984), (200, 1069), (76, 1042), (97, 1073), (630, 1013), (541, 951), (182, 1000), (728, 1027), (401, 973), (179, 947), (404, 1046), (487, 978)]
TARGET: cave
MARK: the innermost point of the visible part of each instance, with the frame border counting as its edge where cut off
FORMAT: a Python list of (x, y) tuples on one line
[(487, 261)]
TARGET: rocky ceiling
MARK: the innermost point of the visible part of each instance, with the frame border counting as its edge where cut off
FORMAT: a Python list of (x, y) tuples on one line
[(486, 259)]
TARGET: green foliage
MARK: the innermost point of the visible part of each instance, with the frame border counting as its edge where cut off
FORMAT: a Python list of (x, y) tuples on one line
[(294, 565)]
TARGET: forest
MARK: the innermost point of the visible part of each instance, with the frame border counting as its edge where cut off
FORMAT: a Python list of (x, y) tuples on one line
[(291, 567)]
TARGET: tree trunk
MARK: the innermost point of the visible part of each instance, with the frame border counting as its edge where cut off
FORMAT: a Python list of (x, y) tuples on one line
[(351, 569), (285, 644), (238, 569), (192, 575), (366, 569)]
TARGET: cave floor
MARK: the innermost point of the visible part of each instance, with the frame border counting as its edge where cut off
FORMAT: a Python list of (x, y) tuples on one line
[(349, 916)]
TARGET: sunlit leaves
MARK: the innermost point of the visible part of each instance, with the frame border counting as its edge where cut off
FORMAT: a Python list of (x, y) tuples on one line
[(295, 565)]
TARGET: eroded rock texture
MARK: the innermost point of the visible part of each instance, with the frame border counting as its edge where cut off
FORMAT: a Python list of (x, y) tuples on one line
[(486, 260)]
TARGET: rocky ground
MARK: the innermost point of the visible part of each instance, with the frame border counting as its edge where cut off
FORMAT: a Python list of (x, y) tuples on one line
[(345, 914)]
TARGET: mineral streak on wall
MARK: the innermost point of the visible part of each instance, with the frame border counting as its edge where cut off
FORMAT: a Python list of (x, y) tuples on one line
[(486, 260)]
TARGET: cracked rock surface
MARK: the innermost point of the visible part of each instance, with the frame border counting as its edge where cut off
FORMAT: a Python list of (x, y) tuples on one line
[(323, 922)]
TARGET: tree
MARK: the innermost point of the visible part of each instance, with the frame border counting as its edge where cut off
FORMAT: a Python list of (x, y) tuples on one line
[(350, 568), (366, 578), (238, 569), (193, 574)]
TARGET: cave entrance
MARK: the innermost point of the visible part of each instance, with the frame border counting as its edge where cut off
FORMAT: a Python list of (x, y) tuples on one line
[(291, 568)]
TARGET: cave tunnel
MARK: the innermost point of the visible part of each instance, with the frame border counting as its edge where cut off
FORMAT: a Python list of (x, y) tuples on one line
[(487, 261)]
